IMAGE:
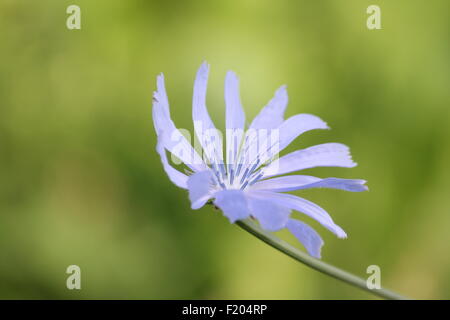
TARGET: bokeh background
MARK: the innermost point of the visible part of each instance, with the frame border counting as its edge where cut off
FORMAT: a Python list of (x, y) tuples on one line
[(81, 183)]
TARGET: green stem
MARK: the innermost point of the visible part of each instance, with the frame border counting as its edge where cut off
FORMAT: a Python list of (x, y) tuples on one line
[(316, 264)]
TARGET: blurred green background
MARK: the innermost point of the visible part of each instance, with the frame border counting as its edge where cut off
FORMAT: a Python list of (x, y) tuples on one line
[(81, 182)]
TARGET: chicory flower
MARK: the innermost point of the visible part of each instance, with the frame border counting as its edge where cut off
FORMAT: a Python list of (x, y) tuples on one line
[(250, 180)]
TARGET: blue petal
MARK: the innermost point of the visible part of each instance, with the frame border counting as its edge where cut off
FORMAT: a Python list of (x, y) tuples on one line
[(206, 132), (300, 182), (233, 203), (296, 125), (304, 206), (168, 135), (178, 178), (272, 115), (270, 215), (322, 155), (234, 117), (307, 236), (271, 145), (199, 185)]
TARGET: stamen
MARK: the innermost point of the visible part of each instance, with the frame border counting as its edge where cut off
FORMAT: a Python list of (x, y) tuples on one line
[(256, 179), (255, 165), (244, 175), (222, 169), (222, 185), (231, 176), (244, 185), (239, 169)]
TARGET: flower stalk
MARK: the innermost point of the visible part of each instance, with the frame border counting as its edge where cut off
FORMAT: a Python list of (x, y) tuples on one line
[(311, 262)]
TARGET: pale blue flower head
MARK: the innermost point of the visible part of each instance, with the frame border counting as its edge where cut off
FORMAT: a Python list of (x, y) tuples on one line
[(250, 180)]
